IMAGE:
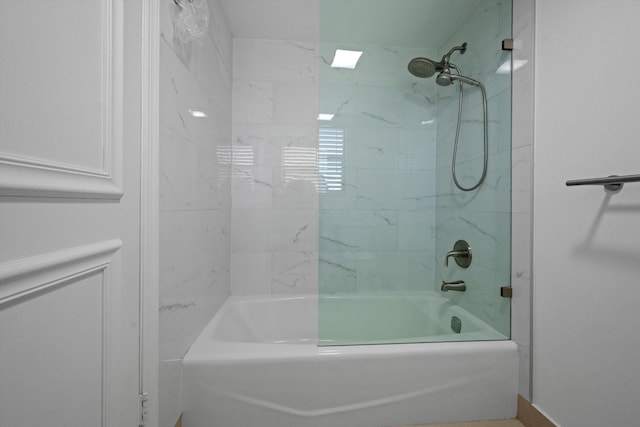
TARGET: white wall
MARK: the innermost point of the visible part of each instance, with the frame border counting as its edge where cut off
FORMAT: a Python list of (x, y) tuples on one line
[(195, 191), (586, 345)]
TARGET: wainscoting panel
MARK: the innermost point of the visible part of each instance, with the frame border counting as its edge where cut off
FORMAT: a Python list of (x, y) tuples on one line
[(62, 108), (58, 332)]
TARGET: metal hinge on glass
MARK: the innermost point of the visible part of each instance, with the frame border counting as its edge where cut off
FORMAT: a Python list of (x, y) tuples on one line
[(506, 292), (144, 410), (507, 44)]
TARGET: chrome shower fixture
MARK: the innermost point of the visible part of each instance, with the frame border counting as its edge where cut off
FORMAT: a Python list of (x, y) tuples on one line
[(445, 78), (425, 67)]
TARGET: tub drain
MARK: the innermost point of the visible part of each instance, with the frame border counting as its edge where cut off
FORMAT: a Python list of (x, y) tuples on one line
[(456, 324)]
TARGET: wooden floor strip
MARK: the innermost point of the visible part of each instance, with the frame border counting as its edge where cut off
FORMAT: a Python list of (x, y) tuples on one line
[(492, 423)]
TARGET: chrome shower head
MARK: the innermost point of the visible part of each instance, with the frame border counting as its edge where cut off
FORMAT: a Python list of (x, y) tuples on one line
[(423, 67)]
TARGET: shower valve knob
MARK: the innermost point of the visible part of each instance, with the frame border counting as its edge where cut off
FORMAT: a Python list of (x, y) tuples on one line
[(461, 253)]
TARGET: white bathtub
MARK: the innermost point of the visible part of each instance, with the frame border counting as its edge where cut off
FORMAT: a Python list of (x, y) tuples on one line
[(257, 363)]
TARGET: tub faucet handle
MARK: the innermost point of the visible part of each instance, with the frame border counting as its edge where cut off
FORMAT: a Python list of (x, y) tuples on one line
[(461, 253)]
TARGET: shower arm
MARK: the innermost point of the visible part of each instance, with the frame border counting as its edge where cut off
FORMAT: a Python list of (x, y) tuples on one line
[(462, 48)]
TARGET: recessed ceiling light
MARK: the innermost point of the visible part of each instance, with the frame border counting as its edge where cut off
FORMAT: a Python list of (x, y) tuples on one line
[(346, 58), (324, 116)]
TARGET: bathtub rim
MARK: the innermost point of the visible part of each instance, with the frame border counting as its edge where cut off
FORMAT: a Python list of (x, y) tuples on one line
[(205, 349)]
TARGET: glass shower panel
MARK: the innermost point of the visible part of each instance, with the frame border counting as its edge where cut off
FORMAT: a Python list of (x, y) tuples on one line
[(389, 211)]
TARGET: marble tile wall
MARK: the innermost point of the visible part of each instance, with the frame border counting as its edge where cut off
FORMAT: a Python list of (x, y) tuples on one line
[(481, 217), (274, 243), (195, 191), (521, 187), (376, 234), (388, 185)]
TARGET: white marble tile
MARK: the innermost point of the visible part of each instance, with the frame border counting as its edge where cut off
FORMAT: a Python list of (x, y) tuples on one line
[(220, 32), (195, 191), (419, 187), (523, 77), (178, 159), (177, 321), (359, 231), (337, 272), (522, 136), (327, 74), (417, 105), (191, 178), (295, 193), (204, 56), (293, 231), (253, 145), (294, 273), (252, 101), (180, 93), (252, 187), (380, 106), (521, 312), (251, 273), (341, 100), (371, 148), (250, 230), (417, 148), (524, 367), (396, 271), (500, 129), (170, 397), (295, 103), (521, 179), (166, 367), (378, 65), (176, 261), (394, 189), (213, 185), (347, 198), (275, 60), (189, 240), (416, 230)]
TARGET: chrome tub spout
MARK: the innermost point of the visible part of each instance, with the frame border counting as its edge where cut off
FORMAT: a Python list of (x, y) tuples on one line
[(458, 286)]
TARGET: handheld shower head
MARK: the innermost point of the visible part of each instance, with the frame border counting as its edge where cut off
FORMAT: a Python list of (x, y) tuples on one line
[(445, 78)]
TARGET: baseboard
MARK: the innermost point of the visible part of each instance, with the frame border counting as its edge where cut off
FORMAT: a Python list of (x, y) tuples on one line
[(530, 416), (179, 422)]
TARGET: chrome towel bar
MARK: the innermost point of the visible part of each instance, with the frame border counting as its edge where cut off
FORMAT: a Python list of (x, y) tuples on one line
[(611, 183)]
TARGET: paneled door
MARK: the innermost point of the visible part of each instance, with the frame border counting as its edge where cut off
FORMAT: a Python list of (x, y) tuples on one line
[(70, 141)]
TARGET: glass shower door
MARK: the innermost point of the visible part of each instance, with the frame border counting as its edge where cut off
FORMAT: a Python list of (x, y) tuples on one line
[(389, 210)]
